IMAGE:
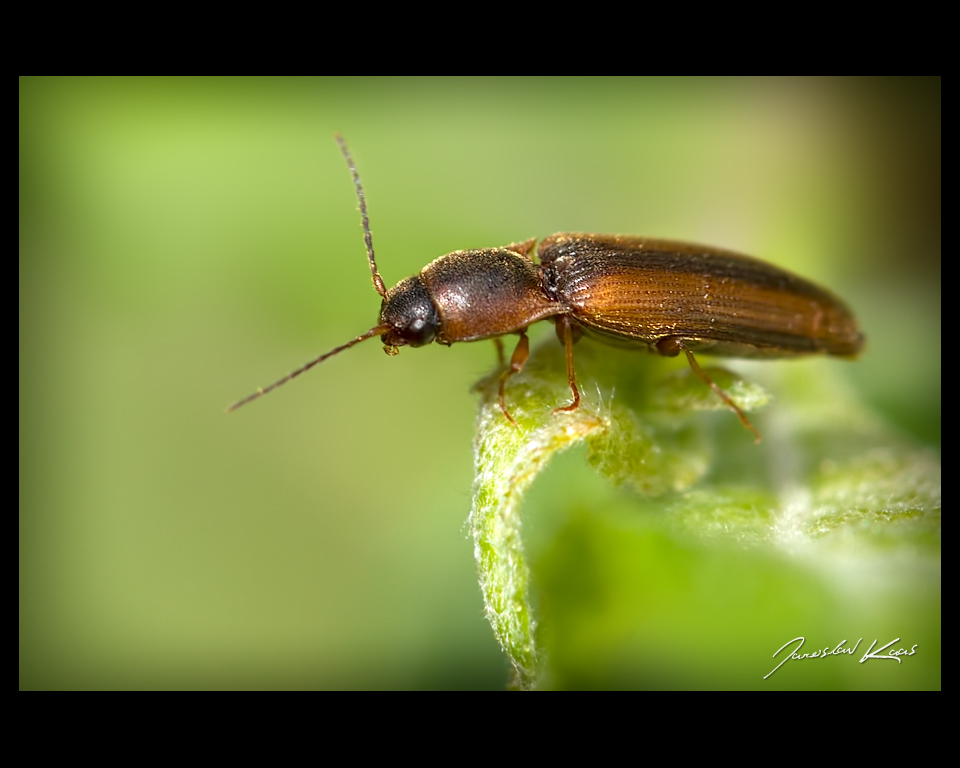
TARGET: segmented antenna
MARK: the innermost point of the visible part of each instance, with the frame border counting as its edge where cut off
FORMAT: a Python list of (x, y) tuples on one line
[(378, 330), (367, 237)]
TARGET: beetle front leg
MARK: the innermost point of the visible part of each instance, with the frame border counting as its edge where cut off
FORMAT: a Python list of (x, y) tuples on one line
[(520, 355)]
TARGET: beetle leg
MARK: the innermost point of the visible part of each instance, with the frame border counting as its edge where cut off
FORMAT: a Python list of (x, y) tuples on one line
[(566, 331), (713, 385), (520, 355), (499, 345)]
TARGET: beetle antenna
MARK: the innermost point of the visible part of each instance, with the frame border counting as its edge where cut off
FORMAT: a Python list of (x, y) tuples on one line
[(367, 237), (378, 330)]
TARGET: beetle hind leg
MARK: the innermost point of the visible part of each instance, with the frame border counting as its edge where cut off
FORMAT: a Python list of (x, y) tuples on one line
[(672, 345)]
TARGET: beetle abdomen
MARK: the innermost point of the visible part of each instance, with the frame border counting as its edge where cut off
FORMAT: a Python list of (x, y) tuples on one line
[(633, 288)]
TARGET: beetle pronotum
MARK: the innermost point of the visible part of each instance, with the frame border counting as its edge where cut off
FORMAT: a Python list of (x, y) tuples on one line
[(667, 296)]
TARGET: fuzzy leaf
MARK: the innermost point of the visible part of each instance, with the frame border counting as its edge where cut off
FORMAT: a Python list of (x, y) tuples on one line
[(797, 532)]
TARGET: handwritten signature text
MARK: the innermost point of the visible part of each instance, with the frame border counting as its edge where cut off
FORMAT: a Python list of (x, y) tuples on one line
[(840, 650)]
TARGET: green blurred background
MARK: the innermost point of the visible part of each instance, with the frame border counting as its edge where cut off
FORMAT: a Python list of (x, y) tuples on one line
[(185, 241)]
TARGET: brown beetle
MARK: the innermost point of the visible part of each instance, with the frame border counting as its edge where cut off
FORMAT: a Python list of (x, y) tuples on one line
[(663, 295)]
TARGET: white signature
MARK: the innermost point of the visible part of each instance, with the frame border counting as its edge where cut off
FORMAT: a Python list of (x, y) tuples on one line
[(839, 650)]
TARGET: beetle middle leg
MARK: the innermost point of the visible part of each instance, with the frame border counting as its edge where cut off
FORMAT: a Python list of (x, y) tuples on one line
[(520, 355), (568, 334), (670, 346)]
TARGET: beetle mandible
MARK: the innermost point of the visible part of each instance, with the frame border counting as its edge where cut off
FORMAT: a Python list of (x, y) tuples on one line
[(667, 296)]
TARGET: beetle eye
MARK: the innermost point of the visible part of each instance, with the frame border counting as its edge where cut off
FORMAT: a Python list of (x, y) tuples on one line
[(418, 332), (409, 312)]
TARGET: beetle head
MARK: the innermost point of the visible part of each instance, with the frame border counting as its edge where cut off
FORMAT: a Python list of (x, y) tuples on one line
[(410, 314)]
